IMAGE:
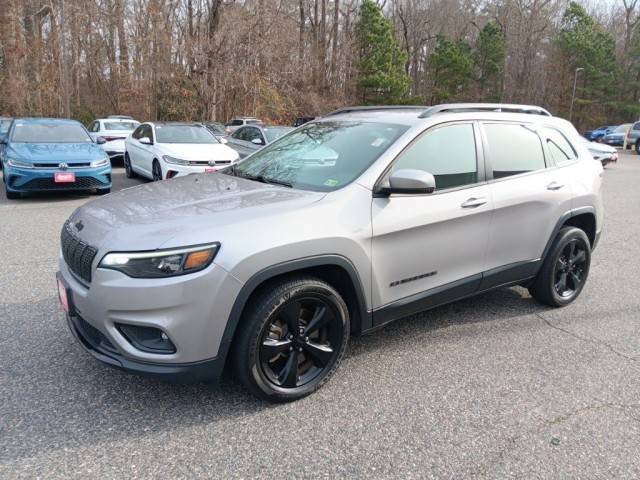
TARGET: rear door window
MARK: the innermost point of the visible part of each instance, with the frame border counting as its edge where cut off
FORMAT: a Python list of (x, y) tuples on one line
[(513, 149)]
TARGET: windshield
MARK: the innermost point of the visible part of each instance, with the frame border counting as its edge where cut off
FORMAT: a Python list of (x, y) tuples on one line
[(50, 133), (216, 127), (274, 133), (622, 128), (120, 125), (183, 134), (322, 156)]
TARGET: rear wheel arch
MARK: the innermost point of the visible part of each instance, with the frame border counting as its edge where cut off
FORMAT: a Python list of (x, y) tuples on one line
[(583, 218), (336, 270)]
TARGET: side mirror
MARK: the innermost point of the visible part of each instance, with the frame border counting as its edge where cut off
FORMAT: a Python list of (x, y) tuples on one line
[(257, 141), (101, 140), (146, 141), (411, 182)]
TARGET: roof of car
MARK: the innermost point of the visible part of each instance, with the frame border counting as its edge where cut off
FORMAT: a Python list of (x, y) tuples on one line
[(40, 120), (416, 115), (183, 124), (116, 119)]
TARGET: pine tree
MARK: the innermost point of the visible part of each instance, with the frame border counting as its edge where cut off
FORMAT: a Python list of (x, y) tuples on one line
[(381, 75), (451, 66), (488, 57)]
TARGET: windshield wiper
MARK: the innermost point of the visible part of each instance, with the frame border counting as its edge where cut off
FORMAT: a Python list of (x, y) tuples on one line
[(259, 178)]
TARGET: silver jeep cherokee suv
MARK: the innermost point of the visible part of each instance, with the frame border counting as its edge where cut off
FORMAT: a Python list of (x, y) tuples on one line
[(343, 225)]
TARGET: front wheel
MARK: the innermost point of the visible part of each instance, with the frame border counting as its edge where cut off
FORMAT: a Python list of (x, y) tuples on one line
[(156, 171), (292, 340), (565, 269), (128, 171), (638, 147)]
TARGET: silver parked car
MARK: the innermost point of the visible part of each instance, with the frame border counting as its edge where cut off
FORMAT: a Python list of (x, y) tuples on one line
[(237, 122), (251, 138), (349, 222)]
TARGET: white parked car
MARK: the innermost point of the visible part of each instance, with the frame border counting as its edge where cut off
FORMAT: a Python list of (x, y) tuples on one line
[(603, 153), (111, 132), (160, 150)]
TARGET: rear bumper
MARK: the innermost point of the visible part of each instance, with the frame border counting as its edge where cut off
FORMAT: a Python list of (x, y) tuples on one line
[(100, 348), (39, 180)]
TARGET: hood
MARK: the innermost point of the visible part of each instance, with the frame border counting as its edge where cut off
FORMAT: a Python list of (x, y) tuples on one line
[(199, 151), (55, 152), (147, 217)]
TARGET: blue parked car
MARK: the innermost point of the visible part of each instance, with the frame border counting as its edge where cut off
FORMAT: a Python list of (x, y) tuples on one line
[(597, 134), (49, 154)]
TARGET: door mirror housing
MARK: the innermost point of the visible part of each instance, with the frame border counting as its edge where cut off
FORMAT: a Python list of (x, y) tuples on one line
[(146, 141), (409, 182), (101, 140), (257, 141)]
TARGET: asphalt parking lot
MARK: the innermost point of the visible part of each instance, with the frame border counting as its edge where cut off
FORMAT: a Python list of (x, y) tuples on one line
[(496, 386)]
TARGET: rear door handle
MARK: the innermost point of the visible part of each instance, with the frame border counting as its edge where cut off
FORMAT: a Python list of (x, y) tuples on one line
[(554, 186), (474, 202)]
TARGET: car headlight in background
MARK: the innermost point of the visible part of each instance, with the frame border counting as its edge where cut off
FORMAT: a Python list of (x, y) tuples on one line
[(162, 263), (174, 160), (12, 162), (103, 162)]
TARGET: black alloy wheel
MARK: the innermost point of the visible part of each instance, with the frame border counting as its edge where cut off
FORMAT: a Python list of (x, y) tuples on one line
[(569, 274), (299, 342), (156, 171), (292, 339), (564, 270)]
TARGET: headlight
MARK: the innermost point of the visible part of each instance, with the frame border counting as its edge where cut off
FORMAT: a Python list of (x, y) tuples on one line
[(100, 163), (162, 263), (18, 163), (175, 161)]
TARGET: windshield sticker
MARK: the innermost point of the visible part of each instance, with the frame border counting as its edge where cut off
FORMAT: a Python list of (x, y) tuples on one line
[(331, 182), (377, 142)]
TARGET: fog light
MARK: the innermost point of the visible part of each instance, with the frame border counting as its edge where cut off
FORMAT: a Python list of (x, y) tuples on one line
[(147, 339)]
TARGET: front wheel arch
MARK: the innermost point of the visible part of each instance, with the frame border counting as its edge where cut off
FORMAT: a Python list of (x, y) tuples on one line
[(336, 270)]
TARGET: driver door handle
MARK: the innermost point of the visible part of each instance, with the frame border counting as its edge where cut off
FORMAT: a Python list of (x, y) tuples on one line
[(554, 186), (474, 202)]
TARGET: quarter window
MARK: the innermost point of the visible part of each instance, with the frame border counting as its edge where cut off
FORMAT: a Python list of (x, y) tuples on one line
[(558, 146), (448, 153), (513, 149)]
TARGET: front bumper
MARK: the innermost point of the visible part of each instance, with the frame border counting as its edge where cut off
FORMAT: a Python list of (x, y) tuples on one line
[(42, 179), (100, 348), (192, 310), (173, 171)]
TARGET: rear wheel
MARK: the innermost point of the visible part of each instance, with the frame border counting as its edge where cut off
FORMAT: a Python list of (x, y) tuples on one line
[(638, 147), (128, 171), (156, 171), (565, 269), (294, 338)]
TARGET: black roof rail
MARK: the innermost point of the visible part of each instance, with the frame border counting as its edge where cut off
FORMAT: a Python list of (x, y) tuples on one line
[(375, 108), (484, 107)]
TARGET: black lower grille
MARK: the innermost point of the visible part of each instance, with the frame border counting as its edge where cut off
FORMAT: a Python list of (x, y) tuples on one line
[(77, 254), (94, 336), (81, 183)]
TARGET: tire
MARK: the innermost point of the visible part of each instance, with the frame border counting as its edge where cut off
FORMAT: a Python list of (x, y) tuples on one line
[(637, 147), (156, 171), (128, 171), (565, 269), (103, 191), (293, 337)]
